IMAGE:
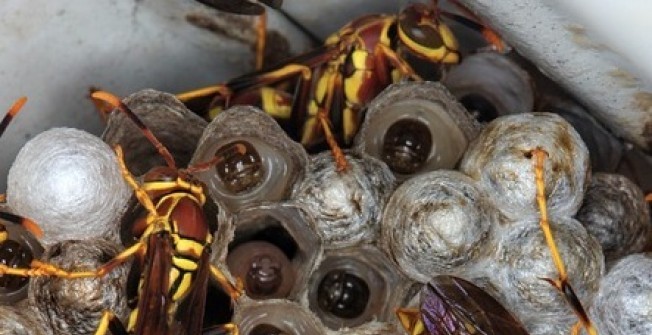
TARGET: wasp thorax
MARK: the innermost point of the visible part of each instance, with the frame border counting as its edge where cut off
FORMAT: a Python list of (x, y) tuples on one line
[(406, 146), (240, 172)]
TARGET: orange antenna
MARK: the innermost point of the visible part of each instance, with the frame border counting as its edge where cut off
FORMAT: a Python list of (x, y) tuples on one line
[(235, 149), (117, 103), (15, 108)]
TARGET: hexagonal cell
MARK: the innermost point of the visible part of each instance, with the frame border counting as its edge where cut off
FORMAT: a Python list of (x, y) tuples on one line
[(415, 127), (79, 303), (24, 321), (276, 317), (347, 205), (491, 84), (169, 120), (356, 285), (273, 251), (18, 249), (501, 160), (268, 169), (450, 226)]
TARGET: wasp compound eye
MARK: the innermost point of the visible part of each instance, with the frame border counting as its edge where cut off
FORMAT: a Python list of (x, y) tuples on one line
[(419, 26), (240, 172), (406, 146), (343, 294)]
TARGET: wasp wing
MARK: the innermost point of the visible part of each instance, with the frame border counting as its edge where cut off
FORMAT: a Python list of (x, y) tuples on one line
[(452, 305), (153, 301), (191, 310)]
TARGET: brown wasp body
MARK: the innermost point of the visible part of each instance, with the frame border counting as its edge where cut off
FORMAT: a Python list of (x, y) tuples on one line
[(172, 247), (339, 78)]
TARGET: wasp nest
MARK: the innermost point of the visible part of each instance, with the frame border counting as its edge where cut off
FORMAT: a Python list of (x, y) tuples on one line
[(73, 188), (267, 171), (523, 259), (168, 119), (437, 222), (75, 306), (501, 160), (616, 213), (416, 127), (623, 304), (490, 84), (346, 204)]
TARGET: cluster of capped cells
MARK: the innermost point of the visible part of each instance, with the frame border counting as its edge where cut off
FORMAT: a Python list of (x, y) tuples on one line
[(435, 184)]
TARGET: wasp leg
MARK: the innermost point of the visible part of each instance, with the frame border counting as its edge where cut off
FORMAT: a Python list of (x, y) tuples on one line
[(334, 85), (141, 194), (28, 224), (42, 269), (648, 197), (561, 283), (410, 319), (399, 63), (261, 35), (229, 328), (110, 322), (235, 291), (209, 91)]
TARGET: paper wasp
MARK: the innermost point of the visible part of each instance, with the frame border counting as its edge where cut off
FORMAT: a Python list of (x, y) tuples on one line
[(340, 77), (452, 305), (172, 249)]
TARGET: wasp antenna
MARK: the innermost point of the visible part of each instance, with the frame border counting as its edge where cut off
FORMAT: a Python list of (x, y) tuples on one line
[(28, 224), (338, 155), (235, 149), (15, 108), (561, 284), (117, 103), (141, 194)]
